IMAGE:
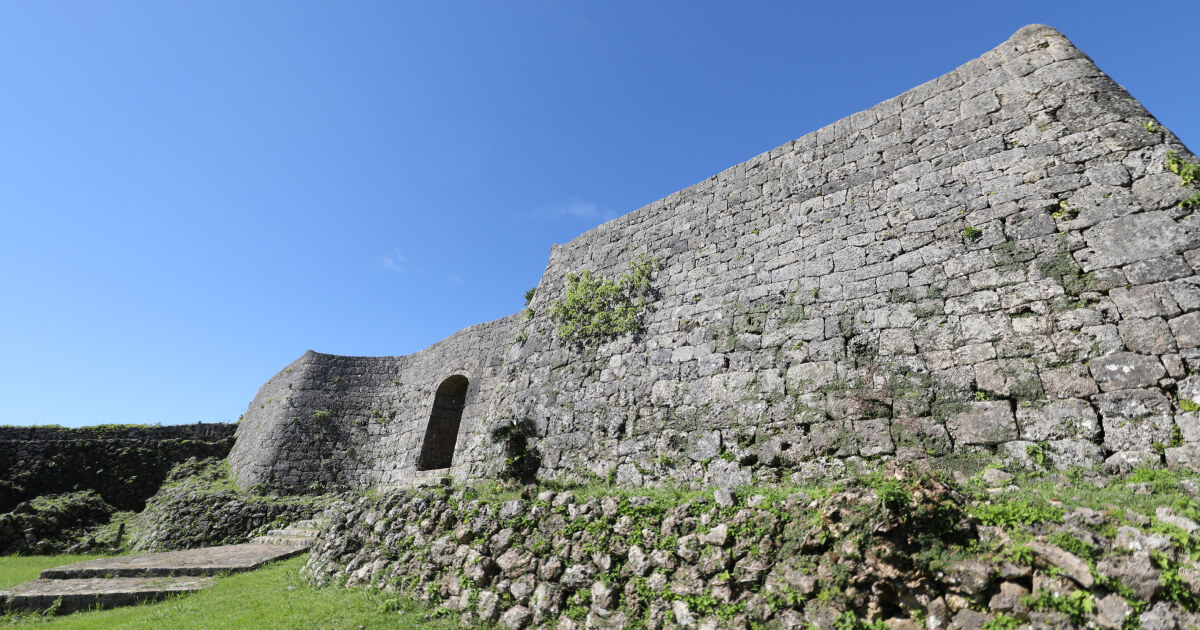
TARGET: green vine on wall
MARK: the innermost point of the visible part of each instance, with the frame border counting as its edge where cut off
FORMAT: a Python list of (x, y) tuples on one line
[(1189, 176), (595, 308)]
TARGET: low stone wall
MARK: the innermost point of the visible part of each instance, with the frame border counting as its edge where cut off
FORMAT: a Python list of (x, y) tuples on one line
[(124, 464), (899, 549), (51, 523), (199, 507)]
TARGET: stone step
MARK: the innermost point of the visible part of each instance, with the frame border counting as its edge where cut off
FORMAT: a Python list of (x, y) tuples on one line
[(192, 562), (87, 593), (295, 532), (310, 523), (303, 542), (420, 479)]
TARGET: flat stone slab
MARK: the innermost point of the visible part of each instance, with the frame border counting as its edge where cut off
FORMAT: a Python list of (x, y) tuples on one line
[(85, 594), (192, 562)]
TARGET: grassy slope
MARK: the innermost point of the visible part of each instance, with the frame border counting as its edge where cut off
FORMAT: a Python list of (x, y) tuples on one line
[(272, 597)]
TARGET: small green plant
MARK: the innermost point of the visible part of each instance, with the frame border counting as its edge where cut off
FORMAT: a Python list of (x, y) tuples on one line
[(595, 309), (1064, 211), (1038, 455), (850, 621), (1149, 126), (321, 414), (1022, 511), (1002, 622), (1021, 554), (972, 234), (527, 312), (520, 462), (1063, 268), (1077, 605), (1189, 174), (1188, 405)]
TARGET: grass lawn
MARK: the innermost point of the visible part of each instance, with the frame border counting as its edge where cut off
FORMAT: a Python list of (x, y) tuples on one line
[(16, 570), (272, 597)]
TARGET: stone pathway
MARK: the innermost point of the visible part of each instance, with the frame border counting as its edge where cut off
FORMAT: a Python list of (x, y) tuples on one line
[(125, 580)]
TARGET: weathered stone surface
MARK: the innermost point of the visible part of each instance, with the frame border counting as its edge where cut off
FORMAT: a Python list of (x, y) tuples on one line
[(1128, 239), (1010, 599), (1135, 419), (1071, 418), (1111, 612), (1125, 370), (516, 617), (1068, 563), (70, 595), (1134, 571), (1186, 329), (193, 562), (985, 423)]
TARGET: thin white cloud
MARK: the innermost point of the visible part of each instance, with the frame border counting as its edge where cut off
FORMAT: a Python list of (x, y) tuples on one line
[(580, 209), (394, 262), (454, 278), (575, 208)]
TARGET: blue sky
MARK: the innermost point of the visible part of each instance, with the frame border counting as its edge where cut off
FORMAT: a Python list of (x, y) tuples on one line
[(193, 194)]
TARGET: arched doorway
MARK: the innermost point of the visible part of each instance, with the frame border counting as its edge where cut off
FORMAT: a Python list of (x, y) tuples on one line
[(442, 433)]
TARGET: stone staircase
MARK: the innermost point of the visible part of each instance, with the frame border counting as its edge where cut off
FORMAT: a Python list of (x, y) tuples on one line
[(298, 533), (419, 479), (125, 580)]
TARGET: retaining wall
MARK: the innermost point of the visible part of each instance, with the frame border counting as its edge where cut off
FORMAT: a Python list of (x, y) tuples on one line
[(125, 464)]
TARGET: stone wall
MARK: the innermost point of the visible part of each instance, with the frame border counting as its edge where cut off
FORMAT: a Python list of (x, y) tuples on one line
[(124, 464), (996, 261), (329, 422), (892, 550)]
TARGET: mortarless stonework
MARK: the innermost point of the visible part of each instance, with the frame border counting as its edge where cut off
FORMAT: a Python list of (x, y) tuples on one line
[(992, 261)]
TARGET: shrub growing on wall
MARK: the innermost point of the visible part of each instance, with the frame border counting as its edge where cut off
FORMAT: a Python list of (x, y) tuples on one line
[(595, 309), (520, 462)]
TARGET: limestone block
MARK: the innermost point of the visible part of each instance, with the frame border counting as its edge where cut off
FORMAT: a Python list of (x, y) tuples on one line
[(1148, 336), (1186, 457), (1125, 370), (1070, 381), (811, 377), (1017, 378), (1060, 419), (874, 437), (985, 423), (1136, 237), (1134, 419), (708, 446), (1186, 329)]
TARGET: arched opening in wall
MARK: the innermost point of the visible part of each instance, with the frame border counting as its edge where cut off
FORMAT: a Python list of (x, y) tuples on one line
[(442, 433)]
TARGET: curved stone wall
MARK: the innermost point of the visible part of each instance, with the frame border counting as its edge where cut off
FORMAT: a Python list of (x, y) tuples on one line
[(994, 261), (328, 422)]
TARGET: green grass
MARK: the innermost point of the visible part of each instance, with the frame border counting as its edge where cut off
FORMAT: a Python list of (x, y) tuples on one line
[(16, 570), (272, 597)]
